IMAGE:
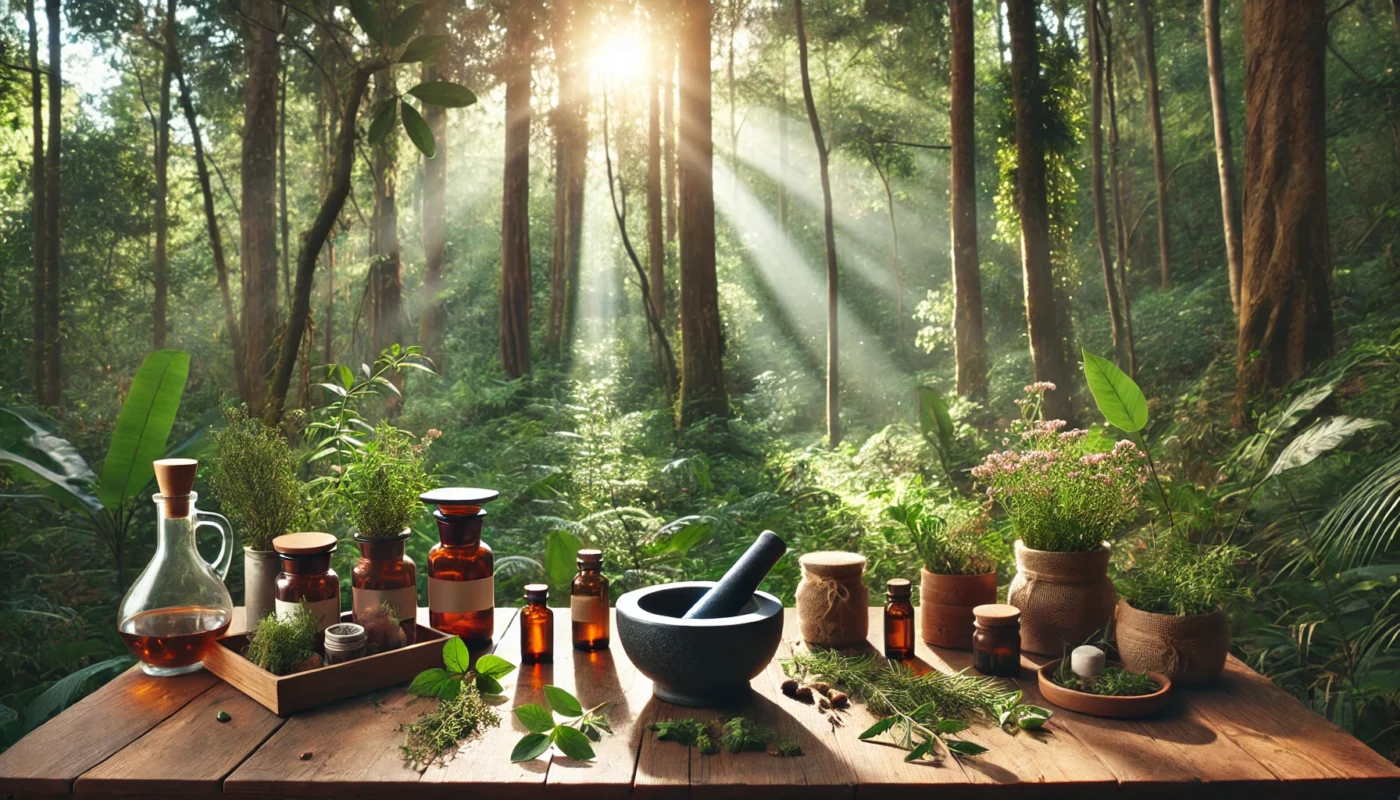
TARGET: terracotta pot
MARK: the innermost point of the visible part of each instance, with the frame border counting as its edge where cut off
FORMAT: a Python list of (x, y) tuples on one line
[(260, 568), (1099, 705), (946, 603), (1189, 649), (1065, 598)]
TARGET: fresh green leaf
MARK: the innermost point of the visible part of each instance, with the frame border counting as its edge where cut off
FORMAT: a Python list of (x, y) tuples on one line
[(1119, 399), (963, 747), (28, 441), (418, 131), (535, 717), (688, 535), (444, 93), (920, 752), (347, 378), (573, 743), (494, 666), (383, 122), (947, 726), (935, 420), (456, 656), (406, 23), (143, 426), (560, 552), (488, 685), (424, 48), (369, 19), (563, 703), (530, 747), (878, 728), (433, 683), (1323, 436), (1034, 717)]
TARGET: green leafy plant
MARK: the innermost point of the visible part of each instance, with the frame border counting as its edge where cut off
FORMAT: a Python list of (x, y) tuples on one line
[(283, 645), (944, 550), (573, 736), (1011, 713), (1114, 681), (106, 505), (254, 479), (447, 681), (1174, 576), (382, 484)]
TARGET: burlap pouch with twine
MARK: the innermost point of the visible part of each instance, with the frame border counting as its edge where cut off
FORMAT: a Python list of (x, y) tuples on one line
[(1188, 649), (833, 605), (1064, 597)]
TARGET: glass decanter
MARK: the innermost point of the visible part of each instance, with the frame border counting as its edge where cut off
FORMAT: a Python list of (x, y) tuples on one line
[(178, 606)]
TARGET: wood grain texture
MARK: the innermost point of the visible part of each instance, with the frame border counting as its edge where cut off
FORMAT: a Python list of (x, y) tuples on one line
[(48, 760)]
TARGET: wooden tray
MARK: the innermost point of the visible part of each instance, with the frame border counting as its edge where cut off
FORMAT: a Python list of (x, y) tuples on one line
[(288, 694), (1099, 705)]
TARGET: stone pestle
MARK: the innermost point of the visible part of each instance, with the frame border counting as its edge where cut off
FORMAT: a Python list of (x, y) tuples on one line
[(727, 598)]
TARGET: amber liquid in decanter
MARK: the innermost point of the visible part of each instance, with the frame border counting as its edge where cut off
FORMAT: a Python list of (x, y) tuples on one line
[(173, 637)]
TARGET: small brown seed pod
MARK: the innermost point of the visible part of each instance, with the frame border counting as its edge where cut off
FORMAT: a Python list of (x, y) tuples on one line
[(790, 687), (821, 687), (839, 699), (803, 693)]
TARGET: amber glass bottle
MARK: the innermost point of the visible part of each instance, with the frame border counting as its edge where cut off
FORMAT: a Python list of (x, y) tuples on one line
[(462, 569), (307, 576), (588, 602), (536, 626), (384, 575), (899, 620), (996, 640)]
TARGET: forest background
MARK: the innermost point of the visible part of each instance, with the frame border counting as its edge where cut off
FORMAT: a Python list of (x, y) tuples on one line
[(633, 377)]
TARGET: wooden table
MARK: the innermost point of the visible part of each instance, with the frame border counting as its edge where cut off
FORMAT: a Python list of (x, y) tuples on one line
[(158, 736)]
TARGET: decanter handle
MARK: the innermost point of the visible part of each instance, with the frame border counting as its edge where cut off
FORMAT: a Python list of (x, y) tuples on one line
[(225, 558)]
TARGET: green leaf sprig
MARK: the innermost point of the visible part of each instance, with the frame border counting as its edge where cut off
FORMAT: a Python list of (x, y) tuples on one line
[(1011, 713), (737, 735), (446, 683), (574, 736)]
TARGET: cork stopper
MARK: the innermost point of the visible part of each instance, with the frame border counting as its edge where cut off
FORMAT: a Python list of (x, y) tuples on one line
[(997, 615), (175, 477), (899, 587), (833, 564)]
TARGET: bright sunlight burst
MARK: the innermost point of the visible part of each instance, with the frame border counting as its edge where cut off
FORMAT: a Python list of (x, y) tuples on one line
[(620, 57)]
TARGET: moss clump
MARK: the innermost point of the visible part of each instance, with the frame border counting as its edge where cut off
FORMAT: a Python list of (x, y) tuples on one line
[(382, 485), (254, 479), (282, 646)]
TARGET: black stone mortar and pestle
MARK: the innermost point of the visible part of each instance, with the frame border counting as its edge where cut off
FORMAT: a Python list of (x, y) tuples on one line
[(701, 642)]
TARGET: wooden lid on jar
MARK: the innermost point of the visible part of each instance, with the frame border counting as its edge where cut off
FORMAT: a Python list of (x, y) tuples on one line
[(833, 564), (308, 543), (997, 615)]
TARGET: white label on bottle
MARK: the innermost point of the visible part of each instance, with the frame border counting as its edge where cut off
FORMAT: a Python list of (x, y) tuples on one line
[(403, 602), (326, 612), (588, 608), (461, 597)]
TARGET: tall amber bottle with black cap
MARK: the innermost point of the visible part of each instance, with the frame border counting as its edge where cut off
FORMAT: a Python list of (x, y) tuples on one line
[(462, 568)]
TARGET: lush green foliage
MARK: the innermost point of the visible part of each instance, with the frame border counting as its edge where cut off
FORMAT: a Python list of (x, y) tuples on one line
[(1170, 575), (282, 645), (254, 479), (944, 549), (1114, 681), (381, 484)]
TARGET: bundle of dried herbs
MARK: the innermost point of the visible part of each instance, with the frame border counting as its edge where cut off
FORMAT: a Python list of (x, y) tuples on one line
[(439, 731)]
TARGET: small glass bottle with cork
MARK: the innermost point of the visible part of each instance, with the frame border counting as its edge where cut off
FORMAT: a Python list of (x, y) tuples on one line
[(461, 568), (536, 626), (588, 602), (899, 620), (996, 640)]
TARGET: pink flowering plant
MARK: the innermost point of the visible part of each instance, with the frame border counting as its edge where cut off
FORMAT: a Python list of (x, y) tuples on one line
[(1059, 492)]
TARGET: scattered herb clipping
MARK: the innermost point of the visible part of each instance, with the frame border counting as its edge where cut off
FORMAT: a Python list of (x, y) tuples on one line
[(283, 645), (462, 710), (688, 732), (1114, 681), (573, 736), (744, 735), (1012, 713), (785, 748), (738, 735), (223, 716)]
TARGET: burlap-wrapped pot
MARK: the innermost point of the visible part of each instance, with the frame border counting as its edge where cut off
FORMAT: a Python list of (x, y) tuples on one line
[(833, 605), (1064, 598), (1189, 649), (946, 603)]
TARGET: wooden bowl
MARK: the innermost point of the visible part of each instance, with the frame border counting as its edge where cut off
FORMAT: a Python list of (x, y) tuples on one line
[(1099, 705)]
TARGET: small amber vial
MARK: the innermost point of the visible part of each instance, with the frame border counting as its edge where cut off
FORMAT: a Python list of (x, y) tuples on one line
[(462, 568), (996, 640), (588, 602), (307, 576), (899, 620), (384, 575), (536, 626)]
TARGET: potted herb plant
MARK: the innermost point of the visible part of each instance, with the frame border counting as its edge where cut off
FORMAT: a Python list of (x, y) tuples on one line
[(1172, 616), (1065, 500), (255, 482), (381, 486), (957, 575)]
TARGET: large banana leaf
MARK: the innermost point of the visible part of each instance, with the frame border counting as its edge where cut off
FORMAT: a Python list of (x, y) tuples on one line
[(143, 426), (1324, 436), (47, 459)]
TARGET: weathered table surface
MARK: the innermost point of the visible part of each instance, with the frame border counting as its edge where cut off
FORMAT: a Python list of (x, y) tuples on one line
[(151, 736)]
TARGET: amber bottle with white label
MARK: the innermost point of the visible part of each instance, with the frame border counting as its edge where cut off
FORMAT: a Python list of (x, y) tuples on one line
[(462, 569), (588, 602), (307, 577), (384, 576)]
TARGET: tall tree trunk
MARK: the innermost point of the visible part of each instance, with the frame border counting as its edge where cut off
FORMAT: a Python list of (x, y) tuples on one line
[(565, 122), (736, 14), (656, 241), (668, 124), (211, 223), (576, 169), (515, 204), (36, 108), (1028, 95), (1101, 233), (833, 378), (1285, 321), (386, 270), (311, 243), (53, 179), (1119, 226), (1224, 156), (258, 217), (432, 320), (969, 340), (284, 252), (1159, 155), (161, 273), (702, 343)]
